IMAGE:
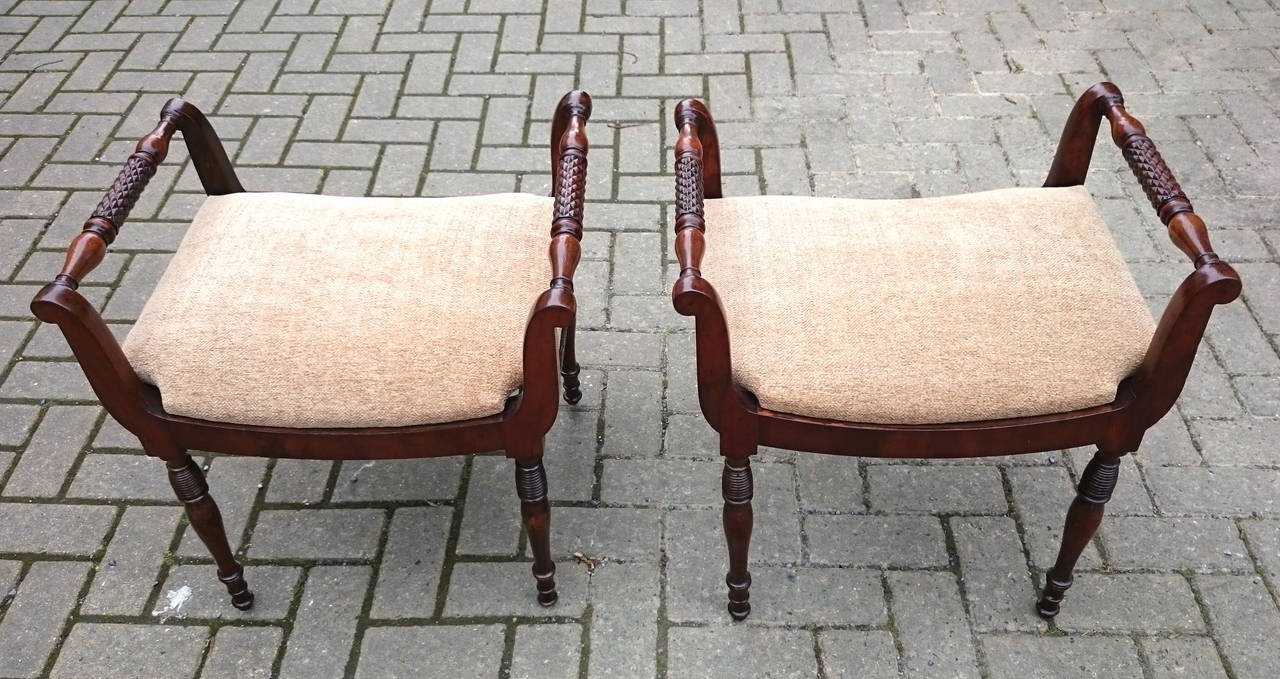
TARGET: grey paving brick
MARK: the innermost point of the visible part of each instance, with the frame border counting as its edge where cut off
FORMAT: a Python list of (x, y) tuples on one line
[(607, 533), (706, 652), (1168, 443), (325, 623), (273, 589), (16, 421), (317, 534), (1264, 542), (891, 541), (546, 651), (234, 483), (126, 575), (1246, 441), (120, 650), (850, 654), (492, 523), (301, 481), (1194, 490), (507, 588), (103, 476), (409, 575), (53, 449), (931, 623), (1042, 496), (633, 413), (624, 614), (994, 571), (1200, 544), (792, 596), (570, 455), (1261, 394), (1244, 618), (471, 651), (46, 380), (1185, 656), (1022, 655), (28, 528), (242, 653), (1121, 602), (398, 480), (32, 625), (909, 488)]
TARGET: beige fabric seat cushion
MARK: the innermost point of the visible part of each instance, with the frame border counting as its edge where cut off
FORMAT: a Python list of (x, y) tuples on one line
[(982, 306), (316, 311)]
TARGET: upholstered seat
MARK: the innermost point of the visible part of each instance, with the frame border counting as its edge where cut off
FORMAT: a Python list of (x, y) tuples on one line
[(982, 306), (314, 311)]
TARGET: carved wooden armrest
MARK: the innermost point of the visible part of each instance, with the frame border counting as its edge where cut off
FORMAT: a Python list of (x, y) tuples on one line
[(697, 166), (568, 185), (100, 230), (1071, 163)]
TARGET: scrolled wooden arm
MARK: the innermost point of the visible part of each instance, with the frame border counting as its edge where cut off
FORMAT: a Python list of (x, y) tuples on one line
[(1159, 379), (556, 307), (697, 166)]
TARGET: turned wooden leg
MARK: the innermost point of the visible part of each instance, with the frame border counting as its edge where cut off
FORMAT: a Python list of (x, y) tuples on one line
[(569, 366), (1096, 485), (531, 486), (736, 485), (191, 488)]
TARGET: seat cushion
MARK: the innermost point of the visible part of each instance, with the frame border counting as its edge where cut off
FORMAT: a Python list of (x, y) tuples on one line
[(316, 311), (934, 310)]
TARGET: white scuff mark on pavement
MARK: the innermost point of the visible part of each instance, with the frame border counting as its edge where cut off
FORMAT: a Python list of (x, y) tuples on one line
[(355, 476), (177, 598)]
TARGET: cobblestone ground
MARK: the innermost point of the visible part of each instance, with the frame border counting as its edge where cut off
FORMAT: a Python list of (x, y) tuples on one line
[(862, 568)]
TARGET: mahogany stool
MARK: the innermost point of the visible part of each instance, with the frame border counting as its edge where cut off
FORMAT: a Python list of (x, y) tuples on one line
[(993, 323), (333, 328)]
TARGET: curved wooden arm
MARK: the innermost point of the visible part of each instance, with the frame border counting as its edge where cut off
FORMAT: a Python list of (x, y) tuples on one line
[(534, 410), (697, 165), (1159, 379), (95, 347), (1075, 149)]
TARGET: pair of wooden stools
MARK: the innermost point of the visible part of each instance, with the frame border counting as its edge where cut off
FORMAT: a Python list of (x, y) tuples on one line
[(301, 326)]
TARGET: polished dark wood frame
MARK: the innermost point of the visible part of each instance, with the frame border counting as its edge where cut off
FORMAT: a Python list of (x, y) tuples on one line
[(1116, 428), (519, 429)]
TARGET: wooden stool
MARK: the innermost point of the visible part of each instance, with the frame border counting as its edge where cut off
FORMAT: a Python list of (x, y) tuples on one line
[(339, 328), (993, 323)]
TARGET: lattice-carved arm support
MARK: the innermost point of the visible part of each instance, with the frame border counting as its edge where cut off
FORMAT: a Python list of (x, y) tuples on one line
[(568, 184), (1075, 149), (89, 248), (1186, 229)]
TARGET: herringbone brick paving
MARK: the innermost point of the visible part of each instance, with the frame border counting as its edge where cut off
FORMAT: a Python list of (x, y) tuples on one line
[(862, 568)]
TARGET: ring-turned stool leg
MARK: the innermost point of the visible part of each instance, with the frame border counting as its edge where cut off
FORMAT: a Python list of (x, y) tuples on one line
[(193, 491), (531, 486), (737, 486), (1096, 485)]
